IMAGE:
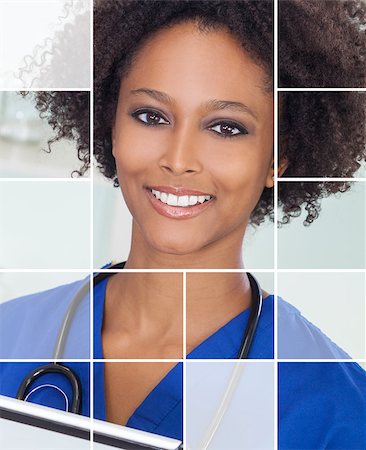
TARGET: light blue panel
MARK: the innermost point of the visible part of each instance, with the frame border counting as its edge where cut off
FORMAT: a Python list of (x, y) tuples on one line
[(336, 240), (333, 302), (45, 225)]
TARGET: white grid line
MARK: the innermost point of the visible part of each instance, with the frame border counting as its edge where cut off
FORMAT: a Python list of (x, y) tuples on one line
[(364, 249), (184, 315), (16, 270), (47, 179), (320, 179), (87, 271), (189, 360), (275, 229), (44, 89), (365, 326), (184, 405), (275, 270), (87, 179), (91, 227), (310, 89), (135, 360)]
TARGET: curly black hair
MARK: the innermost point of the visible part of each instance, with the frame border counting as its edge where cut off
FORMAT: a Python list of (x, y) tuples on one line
[(320, 133), (68, 114), (322, 43)]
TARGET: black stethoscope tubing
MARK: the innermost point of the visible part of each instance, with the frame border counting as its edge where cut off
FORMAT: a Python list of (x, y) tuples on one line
[(56, 367)]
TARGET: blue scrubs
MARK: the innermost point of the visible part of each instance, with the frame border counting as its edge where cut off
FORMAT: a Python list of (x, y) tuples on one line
[(162, 410), (223, 344), (13, 373), (300, 339), (321, 405), (29, 325), (29, 329)]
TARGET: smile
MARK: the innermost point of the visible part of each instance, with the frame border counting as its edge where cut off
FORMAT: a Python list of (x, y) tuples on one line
[(178, 203), (180, 200)]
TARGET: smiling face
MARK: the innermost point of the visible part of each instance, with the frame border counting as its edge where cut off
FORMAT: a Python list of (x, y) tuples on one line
[(193, 139)]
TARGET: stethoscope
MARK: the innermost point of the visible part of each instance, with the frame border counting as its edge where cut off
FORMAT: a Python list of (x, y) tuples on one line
[(24, 391)]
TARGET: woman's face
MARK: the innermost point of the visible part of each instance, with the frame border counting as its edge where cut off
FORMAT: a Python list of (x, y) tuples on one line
[(193, 139)]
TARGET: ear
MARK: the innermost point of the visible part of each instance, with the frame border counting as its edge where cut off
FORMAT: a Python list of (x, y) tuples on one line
[(282, 166)]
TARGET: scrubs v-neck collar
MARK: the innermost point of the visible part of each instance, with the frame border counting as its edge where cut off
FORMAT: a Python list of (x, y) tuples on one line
[(168, 394), (159, 403)]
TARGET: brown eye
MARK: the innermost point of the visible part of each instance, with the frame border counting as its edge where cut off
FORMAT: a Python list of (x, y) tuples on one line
[(228, 129), (150, 118)]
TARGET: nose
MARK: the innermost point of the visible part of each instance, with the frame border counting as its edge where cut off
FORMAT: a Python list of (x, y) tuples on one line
[(181, 155)]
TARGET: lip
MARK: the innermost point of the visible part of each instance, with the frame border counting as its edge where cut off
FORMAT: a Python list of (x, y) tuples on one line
[(178, 190), (177, 212)]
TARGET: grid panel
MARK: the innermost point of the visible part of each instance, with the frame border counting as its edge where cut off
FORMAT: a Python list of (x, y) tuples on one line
[(276, 268)]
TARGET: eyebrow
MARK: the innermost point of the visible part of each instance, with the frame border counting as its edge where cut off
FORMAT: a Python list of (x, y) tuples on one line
[(211, 105), (219, 105), (156, 95)]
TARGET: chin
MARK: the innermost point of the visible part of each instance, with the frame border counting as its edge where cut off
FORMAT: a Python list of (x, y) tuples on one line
[(176, 248), (177, 245)]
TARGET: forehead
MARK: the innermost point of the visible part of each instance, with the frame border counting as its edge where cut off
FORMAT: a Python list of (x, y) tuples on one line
[(189, 63)]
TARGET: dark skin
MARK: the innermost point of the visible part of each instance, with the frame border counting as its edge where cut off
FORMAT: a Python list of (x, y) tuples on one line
[(137, 379), (187, 147), (156, 330), (142, 319)]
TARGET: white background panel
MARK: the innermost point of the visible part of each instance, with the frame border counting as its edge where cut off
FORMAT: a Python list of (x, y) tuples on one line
[(247, 420), (336, 240), (334, 302), (44, 225)]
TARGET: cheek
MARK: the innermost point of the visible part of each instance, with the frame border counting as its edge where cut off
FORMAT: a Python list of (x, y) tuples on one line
[(241, 169), (133, 152)]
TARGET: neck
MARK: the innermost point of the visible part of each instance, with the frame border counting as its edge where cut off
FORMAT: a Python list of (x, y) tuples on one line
[(145, 301), (150, 305), (226, 253), (216, 297)]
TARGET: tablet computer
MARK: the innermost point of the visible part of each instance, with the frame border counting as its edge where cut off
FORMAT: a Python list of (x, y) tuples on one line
[(80, 427)]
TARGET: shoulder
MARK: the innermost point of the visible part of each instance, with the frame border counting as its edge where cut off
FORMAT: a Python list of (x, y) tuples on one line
[(263, 342), (300, 339), (39, 305), (30, 324), (43, 298), (326, 398)]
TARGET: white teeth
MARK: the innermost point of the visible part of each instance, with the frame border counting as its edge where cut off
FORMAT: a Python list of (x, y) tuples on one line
[(183, 200), (156, 193), (172, 200), (163, 197), (180, 200), (193, 199)]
